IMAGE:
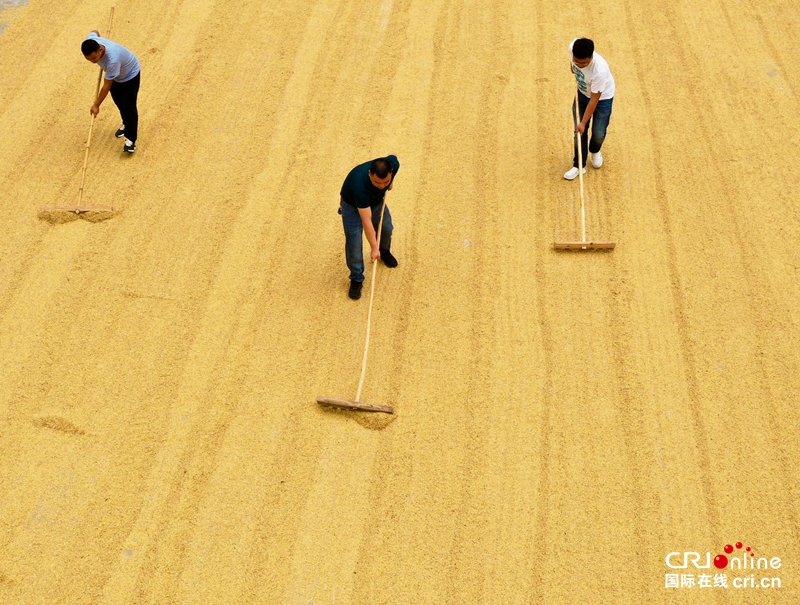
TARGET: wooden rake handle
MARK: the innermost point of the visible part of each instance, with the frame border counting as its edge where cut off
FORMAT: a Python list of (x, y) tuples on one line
[(579, 142), (371, 299), (91, 125)]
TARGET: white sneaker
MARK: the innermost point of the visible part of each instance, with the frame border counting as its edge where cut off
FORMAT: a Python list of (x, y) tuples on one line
[(572, 173), (597, 159)]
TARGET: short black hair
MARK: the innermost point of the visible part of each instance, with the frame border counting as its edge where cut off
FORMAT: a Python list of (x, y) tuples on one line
[(583, 48), (89, 46), (381, 168)]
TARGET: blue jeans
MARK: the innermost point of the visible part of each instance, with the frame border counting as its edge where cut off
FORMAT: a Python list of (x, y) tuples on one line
[(599, 119), (353, 230)]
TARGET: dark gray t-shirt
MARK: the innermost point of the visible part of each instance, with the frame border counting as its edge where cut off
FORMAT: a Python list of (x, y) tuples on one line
[(358, 190)]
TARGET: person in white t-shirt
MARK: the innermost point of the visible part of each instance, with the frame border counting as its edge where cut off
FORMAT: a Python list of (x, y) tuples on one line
[(596, 88)]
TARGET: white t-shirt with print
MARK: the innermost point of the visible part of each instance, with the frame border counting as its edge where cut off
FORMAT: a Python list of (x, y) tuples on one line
[(595, 77)]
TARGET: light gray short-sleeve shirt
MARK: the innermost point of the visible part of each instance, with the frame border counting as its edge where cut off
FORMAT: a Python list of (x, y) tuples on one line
[(118, 62)]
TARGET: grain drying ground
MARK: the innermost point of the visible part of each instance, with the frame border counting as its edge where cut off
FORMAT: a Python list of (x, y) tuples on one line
[(564, 420)]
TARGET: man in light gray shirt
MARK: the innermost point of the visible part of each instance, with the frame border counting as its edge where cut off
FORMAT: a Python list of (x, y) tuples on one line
[(122, 77)]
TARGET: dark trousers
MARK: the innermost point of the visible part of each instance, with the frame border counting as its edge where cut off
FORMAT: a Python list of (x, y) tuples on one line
[(124, 95), (599, 123), (353, 230)]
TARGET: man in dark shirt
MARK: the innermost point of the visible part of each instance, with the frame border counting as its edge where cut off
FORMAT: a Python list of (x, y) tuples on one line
[(362, 195)]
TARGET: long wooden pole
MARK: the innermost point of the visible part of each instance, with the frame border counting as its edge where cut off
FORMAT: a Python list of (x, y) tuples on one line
[(91, 126), (583, 244), (580, 167), (369, 314)]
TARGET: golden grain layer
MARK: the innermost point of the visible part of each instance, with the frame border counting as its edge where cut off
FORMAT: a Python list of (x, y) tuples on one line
[(564, 420)]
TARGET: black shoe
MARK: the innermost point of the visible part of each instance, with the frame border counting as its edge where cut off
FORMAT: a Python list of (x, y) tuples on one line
[(130, 146), (388, 259), (121, 132), (355, 289)]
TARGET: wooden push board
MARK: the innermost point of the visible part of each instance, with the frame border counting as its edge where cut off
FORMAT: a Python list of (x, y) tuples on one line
[(79, 209), (584, 245), (346, 404)]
